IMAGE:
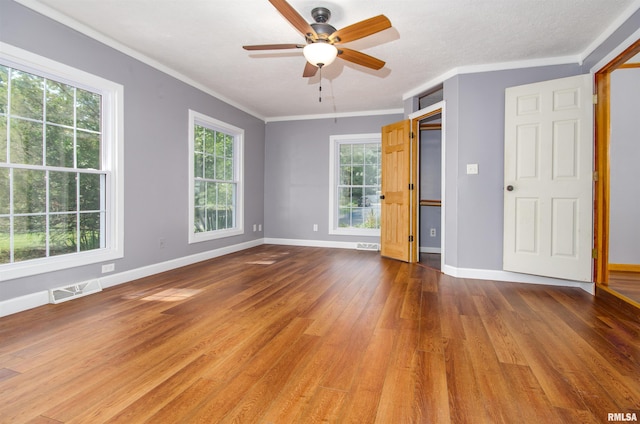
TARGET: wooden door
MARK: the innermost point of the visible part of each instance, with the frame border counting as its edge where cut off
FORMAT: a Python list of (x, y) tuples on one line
[(548, 178), (397, 220)]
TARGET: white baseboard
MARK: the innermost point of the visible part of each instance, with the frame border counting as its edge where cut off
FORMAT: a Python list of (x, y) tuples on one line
[(514, 277), (312, 243), (430, 250), (22, 303), (33, 300)]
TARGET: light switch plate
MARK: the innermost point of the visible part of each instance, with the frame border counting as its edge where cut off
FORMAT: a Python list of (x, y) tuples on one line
[(472, 168)]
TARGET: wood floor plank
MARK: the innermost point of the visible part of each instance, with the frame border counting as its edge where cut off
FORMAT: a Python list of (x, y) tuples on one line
[(279, 334)]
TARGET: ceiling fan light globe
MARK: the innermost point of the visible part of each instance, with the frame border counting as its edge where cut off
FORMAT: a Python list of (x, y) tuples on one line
[(320, 54)]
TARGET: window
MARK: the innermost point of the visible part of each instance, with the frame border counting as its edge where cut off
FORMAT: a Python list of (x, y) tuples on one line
[(215, 166), (58, 152), (355, 184)]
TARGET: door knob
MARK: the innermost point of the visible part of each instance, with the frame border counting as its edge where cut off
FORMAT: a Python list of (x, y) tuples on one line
[(509, 188)]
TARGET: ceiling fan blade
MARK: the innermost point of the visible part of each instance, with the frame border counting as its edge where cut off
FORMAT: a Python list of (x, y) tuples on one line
[(360, 58), (294, 18), (273, 46), (360, 29), (309, 70)]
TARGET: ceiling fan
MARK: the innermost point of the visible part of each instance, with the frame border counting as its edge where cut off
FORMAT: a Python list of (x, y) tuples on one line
[(322, 39)]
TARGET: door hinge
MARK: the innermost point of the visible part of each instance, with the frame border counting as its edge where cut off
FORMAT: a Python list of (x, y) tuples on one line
[(410, 239), (410, 186), (595, 99), (412, 135), (594, 253), (595, 175)]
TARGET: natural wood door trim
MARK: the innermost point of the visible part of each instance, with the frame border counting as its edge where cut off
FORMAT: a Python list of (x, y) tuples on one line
[(624, 267), (602, 161)]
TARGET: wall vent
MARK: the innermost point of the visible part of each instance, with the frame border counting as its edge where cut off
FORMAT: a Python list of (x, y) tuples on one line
[(73, 291), (368, 246)]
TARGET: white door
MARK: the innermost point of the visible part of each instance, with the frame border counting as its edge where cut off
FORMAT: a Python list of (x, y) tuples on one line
[(548, 178)]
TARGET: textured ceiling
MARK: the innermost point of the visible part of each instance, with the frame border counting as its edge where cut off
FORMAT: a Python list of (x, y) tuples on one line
[(201, 41)]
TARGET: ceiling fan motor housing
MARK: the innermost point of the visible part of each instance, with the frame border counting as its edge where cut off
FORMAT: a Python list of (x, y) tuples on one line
[(321, 14)]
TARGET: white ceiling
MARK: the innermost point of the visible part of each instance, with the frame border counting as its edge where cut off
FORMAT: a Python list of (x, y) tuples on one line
[(201, 42)]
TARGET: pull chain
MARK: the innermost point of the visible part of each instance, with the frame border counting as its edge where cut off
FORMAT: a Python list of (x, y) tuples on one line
[(320, 87)]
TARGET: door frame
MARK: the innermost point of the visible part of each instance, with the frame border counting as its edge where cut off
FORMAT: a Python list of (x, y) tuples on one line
[(602, 161), (416, 117)]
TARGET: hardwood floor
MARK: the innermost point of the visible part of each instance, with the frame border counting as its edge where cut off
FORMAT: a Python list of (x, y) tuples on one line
[(280, 334), (626, 283)]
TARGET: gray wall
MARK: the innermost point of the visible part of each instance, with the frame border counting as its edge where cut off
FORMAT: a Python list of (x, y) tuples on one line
[(474, 133), (297, 175), (430, 186), (624, 223), (628, 28), (155, 148)]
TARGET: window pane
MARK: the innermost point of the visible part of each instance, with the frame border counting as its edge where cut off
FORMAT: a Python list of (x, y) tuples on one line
[(210, 167), (371, 175), (88, 150), (219, 147), (212, 194), (62, 191), (198, 165), (344, 196), (198, 141), (4, 79), (90, 231), (29, 191), (62, 234), (344, 217), (26, 142), (219, 168), (358, 154), (5, 255), (372, 154), (3, 139), (59, 103), (345, 154), (199, 193), (345, 175), (26, 95), (228, 148), (90, 194), (59, 146), (357, 175), (357, 217), (199, 220), (88, 110), (210, 141), (4, 191), (29, 237)]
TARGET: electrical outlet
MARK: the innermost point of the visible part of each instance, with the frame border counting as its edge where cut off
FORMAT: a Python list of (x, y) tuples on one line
[(259, 227), (472, 168), (315, 227), (108, 268), (432, 232), (255, 228)]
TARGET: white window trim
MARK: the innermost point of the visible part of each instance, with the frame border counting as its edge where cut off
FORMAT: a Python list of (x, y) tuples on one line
[(238, 134), (334, 141), (113, 160)]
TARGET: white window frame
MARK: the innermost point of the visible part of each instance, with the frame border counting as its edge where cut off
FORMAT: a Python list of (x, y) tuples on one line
[(334, 159), (112, 161), (238, 157)]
